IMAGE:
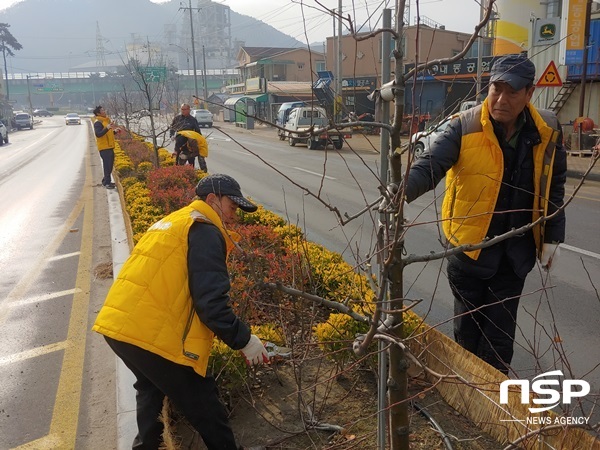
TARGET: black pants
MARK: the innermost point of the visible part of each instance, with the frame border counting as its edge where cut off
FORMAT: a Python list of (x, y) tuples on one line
[(108, 161), (488, 332), (196, 397)]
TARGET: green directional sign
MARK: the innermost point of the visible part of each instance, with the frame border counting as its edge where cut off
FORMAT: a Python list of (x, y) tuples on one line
[(50, 89), (154, 73)]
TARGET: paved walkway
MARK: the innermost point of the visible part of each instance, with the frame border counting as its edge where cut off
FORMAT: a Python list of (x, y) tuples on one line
[(577, 164)]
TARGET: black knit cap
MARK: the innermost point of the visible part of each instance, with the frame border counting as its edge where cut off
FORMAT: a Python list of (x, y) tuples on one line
[(515, 70), (221, 184)]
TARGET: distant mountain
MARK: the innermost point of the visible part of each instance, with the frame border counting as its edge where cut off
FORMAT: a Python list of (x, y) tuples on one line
[(59, 34)]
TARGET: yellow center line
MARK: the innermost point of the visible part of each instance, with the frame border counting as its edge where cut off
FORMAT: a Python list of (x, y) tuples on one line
[(65, 416), (68, 395)]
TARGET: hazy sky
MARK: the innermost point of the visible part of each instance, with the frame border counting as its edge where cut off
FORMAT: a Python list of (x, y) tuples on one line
[(286, 15)]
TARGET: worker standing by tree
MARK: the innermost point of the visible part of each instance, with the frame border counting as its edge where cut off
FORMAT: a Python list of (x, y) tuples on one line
[(505, 167)]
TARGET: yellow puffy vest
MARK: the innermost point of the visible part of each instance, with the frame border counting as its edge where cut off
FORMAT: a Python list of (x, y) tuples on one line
[(473, 183), (108, 140), (149, 304)]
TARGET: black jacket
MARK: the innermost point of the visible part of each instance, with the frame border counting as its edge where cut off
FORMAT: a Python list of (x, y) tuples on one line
[(181, 122), (210, 284)]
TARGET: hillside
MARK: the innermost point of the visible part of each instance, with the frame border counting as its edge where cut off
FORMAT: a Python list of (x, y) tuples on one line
[(59, 34)]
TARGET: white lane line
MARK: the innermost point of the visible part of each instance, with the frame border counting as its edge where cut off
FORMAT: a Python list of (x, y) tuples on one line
[(42, 298), (33, 353), (216, 138), (320, 175), (580, 250), (245, 153), (66, 255)]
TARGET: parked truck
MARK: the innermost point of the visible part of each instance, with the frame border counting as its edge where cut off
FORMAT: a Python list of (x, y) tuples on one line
[(304, 121), (282, 116)]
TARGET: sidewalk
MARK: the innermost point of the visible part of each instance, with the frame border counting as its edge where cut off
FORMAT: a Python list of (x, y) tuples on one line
[(576, 165)]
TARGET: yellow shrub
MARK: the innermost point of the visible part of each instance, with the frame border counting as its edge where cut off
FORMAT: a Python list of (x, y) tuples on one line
[(269, 333), (123, 164), (144, 168), (165, 157)]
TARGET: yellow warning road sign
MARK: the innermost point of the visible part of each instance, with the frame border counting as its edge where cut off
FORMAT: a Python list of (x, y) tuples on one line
[(550, 77)]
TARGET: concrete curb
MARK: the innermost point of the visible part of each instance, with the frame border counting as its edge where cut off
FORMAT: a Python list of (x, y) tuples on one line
[(126, 405)]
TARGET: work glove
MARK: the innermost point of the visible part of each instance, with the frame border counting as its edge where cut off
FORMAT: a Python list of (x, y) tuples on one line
[(255, 351), (550, 254)]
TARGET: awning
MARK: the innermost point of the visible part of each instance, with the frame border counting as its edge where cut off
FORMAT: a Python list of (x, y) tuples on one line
[(259, 98), (233, 100)]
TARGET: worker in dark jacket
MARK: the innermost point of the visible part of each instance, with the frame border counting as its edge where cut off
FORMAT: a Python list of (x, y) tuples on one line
[(185, 121), (168, 301), (505, 167)]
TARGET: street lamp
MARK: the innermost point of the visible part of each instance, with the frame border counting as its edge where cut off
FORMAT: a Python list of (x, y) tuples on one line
[(204, 77), (187, 54)]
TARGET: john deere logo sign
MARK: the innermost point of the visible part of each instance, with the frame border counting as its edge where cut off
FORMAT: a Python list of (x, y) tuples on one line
[(546, 31)]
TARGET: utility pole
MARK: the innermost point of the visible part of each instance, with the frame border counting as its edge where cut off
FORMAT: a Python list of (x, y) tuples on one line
[(382, 361), (478, 95), (586, 43), (29, 94), (193, 50), (340, 97)]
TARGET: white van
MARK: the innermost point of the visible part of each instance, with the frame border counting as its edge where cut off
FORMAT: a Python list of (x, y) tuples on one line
[(467, 105), (282, 116)]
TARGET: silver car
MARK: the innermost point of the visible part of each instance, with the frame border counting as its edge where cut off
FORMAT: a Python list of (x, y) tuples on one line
[(422, 140), (72, 119), (23, 120), (203, 116)]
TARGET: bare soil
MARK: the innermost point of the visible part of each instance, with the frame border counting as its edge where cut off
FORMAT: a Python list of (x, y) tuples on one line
[(277, 411)]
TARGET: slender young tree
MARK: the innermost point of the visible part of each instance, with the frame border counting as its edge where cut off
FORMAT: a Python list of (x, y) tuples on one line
[(8, 43)]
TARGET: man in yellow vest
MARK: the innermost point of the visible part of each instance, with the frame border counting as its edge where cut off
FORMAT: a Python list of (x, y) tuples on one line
[(169, 299), (104, 130), (505, 167)]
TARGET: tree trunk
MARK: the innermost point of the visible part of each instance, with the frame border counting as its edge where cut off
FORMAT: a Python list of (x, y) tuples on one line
[(398, 378)]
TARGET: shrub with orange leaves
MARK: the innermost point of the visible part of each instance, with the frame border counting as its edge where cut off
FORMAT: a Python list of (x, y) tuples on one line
[(172, 187), (265, 260)]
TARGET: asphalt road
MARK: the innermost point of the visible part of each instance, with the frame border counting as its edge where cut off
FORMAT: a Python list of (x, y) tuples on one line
[(57, 387)]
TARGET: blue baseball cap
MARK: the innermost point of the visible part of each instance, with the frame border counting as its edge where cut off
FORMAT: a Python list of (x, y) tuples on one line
[(221, 184), (516, 70)]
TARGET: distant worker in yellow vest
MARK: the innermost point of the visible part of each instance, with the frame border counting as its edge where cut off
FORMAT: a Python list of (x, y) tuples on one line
[(505, 167), (105, 130), (168, 301)]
